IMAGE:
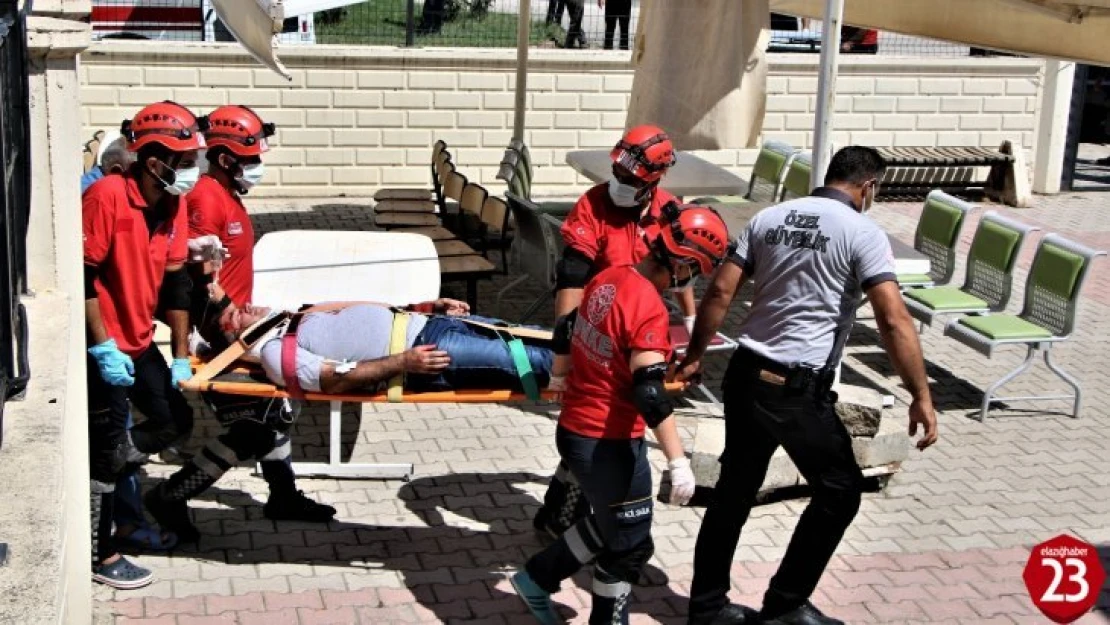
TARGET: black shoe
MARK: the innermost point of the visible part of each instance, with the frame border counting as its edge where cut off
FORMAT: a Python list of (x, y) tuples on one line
[(297, 507), (805, 614), (172, 515), (731, 614)]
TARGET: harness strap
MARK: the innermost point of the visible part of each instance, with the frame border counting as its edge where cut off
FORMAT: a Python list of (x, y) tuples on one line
[(523, 368), (397, 341), (289, 357)]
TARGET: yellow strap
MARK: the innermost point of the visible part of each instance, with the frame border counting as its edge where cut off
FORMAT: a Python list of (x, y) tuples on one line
[(397, 345)]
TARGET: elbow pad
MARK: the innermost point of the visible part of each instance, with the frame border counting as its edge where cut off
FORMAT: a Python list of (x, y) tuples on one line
[(574, 270), (650, 395), (174, 294), (564, 330), (90, 281)]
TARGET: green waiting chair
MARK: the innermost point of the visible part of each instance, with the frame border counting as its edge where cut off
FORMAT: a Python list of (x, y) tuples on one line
[(938, 232), (1048, 317), (520, 184), (990, 274), (795, 182), (770, 168)]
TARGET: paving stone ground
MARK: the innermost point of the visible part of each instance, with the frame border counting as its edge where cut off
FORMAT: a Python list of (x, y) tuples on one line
[(945, 541)]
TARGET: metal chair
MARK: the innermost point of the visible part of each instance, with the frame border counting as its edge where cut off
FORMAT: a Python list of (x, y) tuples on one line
[(539, 248), (795, 182), (770, 167), (1048, 317), (938, 232)]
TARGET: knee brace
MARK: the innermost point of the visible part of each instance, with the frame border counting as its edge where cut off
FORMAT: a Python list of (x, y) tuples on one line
[(573, 270), (174, 294), (282, 448)]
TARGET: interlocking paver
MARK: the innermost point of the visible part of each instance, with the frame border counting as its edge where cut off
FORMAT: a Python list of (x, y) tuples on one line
[(955, 525)]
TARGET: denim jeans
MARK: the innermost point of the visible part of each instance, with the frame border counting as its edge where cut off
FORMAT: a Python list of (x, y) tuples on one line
[(129, 503), (479, 358)]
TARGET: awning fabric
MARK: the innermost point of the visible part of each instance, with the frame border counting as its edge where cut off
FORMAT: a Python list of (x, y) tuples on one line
[(254, 23), (1075, 31), (701, 71)]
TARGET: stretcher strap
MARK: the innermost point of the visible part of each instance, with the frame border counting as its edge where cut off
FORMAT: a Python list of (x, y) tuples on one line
[(289, 358), (397, 340), (523, 368)]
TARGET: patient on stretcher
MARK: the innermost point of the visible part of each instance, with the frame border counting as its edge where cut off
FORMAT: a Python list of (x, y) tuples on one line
[(343, 348)]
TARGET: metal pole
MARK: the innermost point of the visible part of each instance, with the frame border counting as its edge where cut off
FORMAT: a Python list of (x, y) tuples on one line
[(523, 32), (826, 90), (410, 23)]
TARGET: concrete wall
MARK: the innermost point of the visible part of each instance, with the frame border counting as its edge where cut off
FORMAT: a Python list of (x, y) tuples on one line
[(356, 118)]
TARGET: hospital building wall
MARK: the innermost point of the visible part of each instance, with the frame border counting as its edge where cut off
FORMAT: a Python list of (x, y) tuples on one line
[(354, 119)]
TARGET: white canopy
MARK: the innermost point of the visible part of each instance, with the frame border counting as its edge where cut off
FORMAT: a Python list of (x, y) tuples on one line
[(254, 23)]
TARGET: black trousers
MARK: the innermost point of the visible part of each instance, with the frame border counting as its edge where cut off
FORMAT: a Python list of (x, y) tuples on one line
[(168, 415), (617, 12), (555, 11), (576, 37), (762, 413)]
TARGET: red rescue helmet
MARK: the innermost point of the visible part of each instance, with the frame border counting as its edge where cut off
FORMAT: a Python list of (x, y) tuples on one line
[(239, 129), (692, 235), (646, 151), (166, 123)]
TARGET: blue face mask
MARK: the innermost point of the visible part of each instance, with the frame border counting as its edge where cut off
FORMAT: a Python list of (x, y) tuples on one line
[(183, 180), (252, 175), (623, 195)]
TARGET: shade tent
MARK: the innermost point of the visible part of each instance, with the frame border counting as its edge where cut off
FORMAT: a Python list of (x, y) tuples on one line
[(254, 24)]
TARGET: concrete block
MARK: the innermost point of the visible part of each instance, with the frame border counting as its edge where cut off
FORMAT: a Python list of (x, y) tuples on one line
[(894, 122), (331, 79), (137, 97), (534, 120), (356, 99), (356, 175), (552, 139), (407, 100), (863, 85), (102, 117), (873, 104), (890, 444), (305, 175), (381, 79), (800, 140), (555, 102), (802, 85), (771, 121), (938, 122), (100, 95), (896, 86), (432, 80), (848, 121), (316, 137), (859, 409), (957, 139), (961, 105), (285, 156), (577, 121), (915, 139), (380, 156), (267, 78), (255, 98), (614, 121), (1022, 86), (789, 103), (841, 105), (918, 104), (362, 136), (170, 76), (622, 83), (330, 118), (554, 175), (198, 99), (460, 138), (456, 100), (330, 156), (483, 81), (876, 139), (1005, 104), (499, 101), (604, 102), (941, 86), (225, 77), (478, 157), (984, 86), (307, 98), (496, 138), (1019, 122), (596, 139), (578, 82), (801, 121), (381, 119), (404, 176), (536, 82), (980, 122), (284, 118), (775, 85), (431, 119), (484, 119)]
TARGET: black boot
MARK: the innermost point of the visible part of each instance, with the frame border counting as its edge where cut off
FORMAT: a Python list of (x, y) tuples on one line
[(805, 614), (286, 503), (168, 502)]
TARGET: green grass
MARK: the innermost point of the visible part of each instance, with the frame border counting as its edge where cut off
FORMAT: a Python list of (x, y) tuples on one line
[(383, 22)]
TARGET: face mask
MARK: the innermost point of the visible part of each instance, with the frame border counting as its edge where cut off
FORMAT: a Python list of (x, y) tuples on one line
[(252, 175), (183, 180), (623, 195)]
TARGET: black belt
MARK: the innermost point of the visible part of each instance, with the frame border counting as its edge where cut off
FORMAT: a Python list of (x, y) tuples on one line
[(794, 377)]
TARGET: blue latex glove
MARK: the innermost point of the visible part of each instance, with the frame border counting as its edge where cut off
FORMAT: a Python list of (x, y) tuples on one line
[(115, 366), (180, 371)]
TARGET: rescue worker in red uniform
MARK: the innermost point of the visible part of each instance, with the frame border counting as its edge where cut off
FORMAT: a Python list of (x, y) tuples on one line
[(619, 345), (135, 229), (255, 428), (608, 227)]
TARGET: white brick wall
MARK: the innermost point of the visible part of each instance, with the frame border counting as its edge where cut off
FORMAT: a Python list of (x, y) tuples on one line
[(353, 119)]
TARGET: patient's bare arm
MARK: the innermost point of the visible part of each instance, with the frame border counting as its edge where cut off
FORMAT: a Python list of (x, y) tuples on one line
[(370, 373)]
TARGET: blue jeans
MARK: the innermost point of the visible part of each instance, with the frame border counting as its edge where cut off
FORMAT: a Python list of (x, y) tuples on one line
[(479, 358), (129, 503)]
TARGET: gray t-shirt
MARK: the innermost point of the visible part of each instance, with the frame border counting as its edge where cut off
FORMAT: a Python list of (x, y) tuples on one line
[(811, 259), (348, 335)]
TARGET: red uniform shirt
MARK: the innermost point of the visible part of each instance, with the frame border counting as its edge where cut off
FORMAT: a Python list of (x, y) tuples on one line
[(131, 261), (609, 234), (213, 209), (621, 312)]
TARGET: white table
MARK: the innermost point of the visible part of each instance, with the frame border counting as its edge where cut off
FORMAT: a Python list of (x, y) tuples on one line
[(296, 267), (690, 177)]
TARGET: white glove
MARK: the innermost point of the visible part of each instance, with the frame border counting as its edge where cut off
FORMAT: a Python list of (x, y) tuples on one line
[(689, 323), (206, 248), (682, 481)]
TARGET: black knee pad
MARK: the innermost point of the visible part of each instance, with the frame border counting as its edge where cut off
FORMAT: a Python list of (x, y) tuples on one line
[(625, 566), (248, 439)]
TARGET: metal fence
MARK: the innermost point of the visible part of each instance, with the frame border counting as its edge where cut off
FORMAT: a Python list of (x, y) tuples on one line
[(605, 24), (15, 203)]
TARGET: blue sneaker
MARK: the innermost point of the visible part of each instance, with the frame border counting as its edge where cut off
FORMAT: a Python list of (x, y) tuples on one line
[(537, 599)]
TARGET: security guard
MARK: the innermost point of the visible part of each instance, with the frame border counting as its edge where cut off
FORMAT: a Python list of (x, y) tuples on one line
[(135, 229), (607, 227), (256, 428), (812, 260), (619, 346)]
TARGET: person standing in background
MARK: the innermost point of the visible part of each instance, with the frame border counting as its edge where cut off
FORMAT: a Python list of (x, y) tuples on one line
[(576, 37), (617, 12)]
